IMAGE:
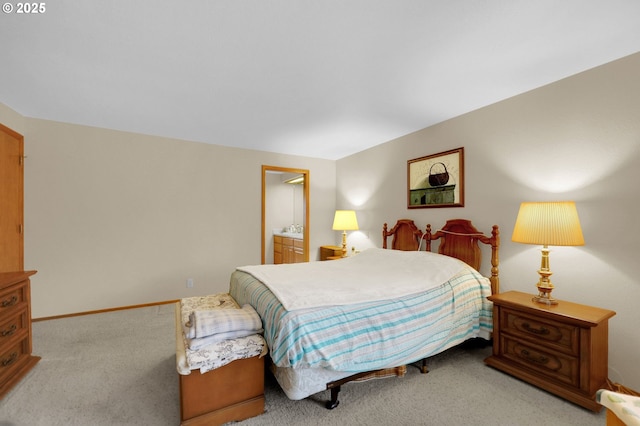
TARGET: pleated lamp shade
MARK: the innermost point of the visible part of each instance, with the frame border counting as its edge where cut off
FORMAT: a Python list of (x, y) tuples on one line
[(551, 223), (345, 220)]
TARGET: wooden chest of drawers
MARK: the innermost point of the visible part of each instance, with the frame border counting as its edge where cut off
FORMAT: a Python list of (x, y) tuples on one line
[(15, 329), (562, 348)]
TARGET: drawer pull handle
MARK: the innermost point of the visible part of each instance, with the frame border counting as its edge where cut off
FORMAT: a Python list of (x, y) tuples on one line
[(539, 360), (10, 302), (9, 331), (10, 360), (541, 331)]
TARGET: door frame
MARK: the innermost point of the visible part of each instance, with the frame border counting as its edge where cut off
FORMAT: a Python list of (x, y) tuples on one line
[(305, 232)]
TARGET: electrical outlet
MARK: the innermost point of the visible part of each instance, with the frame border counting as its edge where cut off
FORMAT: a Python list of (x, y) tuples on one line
[(189, 282)]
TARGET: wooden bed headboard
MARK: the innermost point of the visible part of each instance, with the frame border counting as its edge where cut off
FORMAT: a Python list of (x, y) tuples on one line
[(458, 238), (406, 235)]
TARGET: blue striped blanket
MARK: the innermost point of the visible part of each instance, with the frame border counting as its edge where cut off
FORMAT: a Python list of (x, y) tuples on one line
[(374, 335)]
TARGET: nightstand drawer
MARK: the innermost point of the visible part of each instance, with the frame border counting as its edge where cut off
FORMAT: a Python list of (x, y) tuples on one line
[(554, 365), (549, 333)]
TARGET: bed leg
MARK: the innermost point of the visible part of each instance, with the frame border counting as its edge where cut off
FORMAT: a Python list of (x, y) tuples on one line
[(334, 398), (423, 368)]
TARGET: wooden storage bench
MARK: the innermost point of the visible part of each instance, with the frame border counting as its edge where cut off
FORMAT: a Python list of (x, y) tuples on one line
[(232, 392)]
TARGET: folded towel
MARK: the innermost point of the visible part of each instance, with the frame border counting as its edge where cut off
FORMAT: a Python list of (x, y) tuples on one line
[(203, 323), (198, 343)]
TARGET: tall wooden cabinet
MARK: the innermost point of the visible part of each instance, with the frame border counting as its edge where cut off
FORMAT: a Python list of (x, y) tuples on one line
[(15, 287), (11, 200), (15, 328)]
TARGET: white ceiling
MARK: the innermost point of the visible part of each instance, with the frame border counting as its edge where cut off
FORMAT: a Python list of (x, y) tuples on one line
[(318, 78)]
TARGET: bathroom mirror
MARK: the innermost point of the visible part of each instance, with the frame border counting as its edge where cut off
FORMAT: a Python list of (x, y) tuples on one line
[(285, 212)]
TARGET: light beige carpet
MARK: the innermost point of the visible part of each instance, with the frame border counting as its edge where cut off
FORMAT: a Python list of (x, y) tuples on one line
[(118, 368)]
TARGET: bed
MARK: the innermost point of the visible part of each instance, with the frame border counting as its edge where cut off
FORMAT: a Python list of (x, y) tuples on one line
[(329, 323)]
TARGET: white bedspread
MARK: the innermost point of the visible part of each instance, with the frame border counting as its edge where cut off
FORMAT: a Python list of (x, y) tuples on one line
[(373, 275)]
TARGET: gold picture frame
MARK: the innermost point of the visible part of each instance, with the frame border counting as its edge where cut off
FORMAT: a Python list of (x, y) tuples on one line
[(436, 180)]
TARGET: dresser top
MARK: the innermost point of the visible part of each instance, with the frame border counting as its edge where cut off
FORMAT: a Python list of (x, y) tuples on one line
[(10, 278)]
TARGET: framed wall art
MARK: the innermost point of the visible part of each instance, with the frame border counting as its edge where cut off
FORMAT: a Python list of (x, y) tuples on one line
[(436, 180)]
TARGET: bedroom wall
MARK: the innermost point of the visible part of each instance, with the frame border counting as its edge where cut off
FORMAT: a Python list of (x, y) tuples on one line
[(577, 139), (109, 222), (117, 219), (12, 119)]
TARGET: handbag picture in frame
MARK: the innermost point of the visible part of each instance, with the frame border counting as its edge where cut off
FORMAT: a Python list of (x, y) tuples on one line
[(436, 180)]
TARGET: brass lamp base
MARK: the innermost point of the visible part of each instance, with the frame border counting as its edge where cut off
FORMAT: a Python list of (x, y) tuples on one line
[(344, 243), (545, 287), (544, 296)]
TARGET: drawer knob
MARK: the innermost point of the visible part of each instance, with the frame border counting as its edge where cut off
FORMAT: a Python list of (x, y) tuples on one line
[(10, 360), (540, 331), (9, 331), (10, 302), (537, 359)]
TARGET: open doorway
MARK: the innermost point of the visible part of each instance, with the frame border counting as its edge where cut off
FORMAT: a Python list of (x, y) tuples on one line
[(285, 209)]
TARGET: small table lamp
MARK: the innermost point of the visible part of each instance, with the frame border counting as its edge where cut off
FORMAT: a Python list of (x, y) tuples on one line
[(345, 220), (553, 223)]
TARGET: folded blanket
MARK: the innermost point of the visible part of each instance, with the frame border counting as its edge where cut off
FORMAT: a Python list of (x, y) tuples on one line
[(625, 407), (203, 323), (199, 343)]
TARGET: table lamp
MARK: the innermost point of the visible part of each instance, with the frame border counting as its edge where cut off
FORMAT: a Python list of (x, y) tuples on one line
[(552, 223), (345, 220)]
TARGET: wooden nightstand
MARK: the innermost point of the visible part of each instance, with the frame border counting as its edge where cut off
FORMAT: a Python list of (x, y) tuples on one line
[(561, 348), (330, 252)]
